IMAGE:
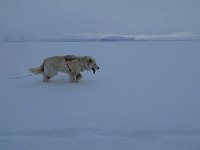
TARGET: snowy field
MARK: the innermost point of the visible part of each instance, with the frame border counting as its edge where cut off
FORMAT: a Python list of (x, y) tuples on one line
[(146, 95)]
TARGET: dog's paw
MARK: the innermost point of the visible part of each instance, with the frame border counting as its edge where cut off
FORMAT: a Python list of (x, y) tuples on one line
[(78, 76), (46, 79), (73, 81)]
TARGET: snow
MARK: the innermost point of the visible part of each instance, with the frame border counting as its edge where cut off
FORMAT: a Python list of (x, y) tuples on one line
[(145, 96)]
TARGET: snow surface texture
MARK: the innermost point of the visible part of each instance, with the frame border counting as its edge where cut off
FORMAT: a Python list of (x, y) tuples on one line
[(145, 96)]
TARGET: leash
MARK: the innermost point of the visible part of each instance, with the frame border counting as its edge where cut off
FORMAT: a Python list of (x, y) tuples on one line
[(15, 78), (18, 77)]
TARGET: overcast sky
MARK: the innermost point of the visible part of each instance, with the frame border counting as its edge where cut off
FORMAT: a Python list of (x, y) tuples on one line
[(99, 16)]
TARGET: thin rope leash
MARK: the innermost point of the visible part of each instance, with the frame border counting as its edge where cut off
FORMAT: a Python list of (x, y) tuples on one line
[(18, 77)]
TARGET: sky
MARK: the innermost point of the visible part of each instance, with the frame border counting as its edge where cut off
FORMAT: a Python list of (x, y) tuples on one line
[(99, 16)]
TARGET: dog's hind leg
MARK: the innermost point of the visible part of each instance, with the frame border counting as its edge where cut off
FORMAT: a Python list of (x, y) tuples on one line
[(49, 72), (46, 78)]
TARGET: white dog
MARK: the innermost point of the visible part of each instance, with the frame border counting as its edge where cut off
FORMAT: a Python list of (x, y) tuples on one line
[(69, 64)]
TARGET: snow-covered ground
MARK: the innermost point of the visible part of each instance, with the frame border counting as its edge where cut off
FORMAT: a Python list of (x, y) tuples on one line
[(146, 95)]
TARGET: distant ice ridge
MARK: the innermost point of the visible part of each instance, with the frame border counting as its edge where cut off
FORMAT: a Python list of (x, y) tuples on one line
[(159, 37), (180, 36)]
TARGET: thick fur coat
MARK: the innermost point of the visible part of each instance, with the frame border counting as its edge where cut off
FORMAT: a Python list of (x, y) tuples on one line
[(70, 64)]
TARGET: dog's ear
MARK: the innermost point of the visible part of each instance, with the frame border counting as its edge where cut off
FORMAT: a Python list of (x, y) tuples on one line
[(89, 60)]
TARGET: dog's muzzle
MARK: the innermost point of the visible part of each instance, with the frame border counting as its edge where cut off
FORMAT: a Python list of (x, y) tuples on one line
[(94, 69)]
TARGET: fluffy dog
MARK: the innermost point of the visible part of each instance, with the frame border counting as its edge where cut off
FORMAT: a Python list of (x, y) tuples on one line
[(69, 64)]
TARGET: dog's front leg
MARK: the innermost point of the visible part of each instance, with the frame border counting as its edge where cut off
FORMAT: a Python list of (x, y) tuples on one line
[(72, 77), (78, 76)]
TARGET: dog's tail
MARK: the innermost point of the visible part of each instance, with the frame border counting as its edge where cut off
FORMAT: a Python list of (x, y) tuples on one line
[(38, 70)]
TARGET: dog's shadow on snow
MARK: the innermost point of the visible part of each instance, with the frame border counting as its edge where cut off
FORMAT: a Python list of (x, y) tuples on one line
[(63, 81)]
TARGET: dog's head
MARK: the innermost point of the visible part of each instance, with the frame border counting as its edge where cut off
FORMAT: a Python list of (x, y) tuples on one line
[(90, 64)]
